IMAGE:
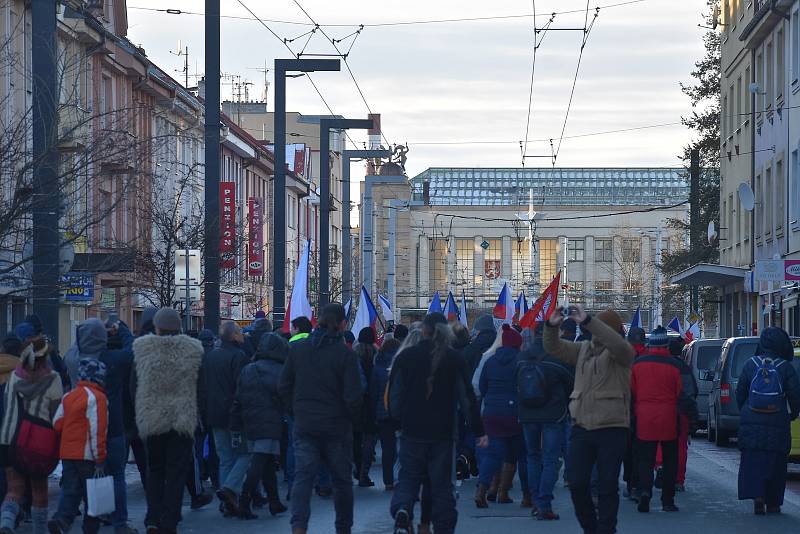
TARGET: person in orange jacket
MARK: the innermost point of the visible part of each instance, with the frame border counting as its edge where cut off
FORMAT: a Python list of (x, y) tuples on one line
[(82, 422)]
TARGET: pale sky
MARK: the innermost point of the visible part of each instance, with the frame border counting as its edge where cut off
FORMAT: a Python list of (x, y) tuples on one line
[(469, 81)]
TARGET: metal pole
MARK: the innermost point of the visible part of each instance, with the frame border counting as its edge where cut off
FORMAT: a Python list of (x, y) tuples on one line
[(658, 311), (46, 206), (695, 232), (325, 127), (390, 274), (188, 306), (212, 171)]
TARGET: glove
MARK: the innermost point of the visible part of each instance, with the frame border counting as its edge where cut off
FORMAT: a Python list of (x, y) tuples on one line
[(99, 471), (236, 440)]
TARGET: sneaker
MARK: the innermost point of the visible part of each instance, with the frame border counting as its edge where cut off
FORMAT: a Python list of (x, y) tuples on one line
[(669, 508), (547, 515), (402, 523), (644, 503), (365, 482)]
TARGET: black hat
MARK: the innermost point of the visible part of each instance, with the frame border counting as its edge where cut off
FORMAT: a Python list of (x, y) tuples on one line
[(274, 346), (366, 336), (637, 336)]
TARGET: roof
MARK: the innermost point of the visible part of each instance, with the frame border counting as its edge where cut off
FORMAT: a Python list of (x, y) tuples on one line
[(554, 186), (708, 274)]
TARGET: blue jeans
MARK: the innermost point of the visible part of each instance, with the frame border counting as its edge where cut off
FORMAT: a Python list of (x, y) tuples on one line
[(233, 463), (565, 448), (544, 442), (289, 474), (115, 466), (500, 450), (432, 461), (311, 451), (73, 490)]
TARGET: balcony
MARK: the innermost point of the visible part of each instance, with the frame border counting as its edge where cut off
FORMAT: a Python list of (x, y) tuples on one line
[(766, 15)]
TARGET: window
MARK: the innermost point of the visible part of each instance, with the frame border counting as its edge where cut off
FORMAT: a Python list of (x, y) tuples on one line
[(520, 263), (780, 68), (106, 102), (603, 250), (760, 83), (770, 64), (724, 119), (602, 293), (548, 259), (778, 213), (493, 260), (577, 292), (738, 117), (631, 250), (794, 184), (465, 262), (766, 202), (725, 14), (106, 228), (747, 96), (731, 112), (760, 198), (795, 47), (575, 250), (733, 232), (438, 265)]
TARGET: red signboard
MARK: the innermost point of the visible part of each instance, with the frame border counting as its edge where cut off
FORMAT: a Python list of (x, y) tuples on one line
[(227, 221), (255, 255)]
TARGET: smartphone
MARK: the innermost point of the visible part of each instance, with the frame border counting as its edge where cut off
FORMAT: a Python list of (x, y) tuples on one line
[(567, 311)]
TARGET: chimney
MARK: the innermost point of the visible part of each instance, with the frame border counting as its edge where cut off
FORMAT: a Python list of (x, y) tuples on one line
[(426, 193), (375, 131), (201, 88)]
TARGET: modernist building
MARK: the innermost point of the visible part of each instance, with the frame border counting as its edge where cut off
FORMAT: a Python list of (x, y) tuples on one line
[(470, 230)]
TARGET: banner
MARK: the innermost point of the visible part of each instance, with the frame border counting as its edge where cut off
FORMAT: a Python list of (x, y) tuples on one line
[(227, 223), (543, 308), (255, 249)]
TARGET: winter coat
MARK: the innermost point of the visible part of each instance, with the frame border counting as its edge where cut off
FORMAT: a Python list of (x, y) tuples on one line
[(473, 352), (257, 408), (82, 422), (431, 417), (497, 385), (602, 392), (40, 391), (767, 431), (559, 379), (321, 384), (377, 384), (658, 395), (118, 364), (218, 377), (164, 384)]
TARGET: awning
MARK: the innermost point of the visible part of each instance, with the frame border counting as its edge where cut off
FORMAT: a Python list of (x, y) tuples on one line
[(707, 274)]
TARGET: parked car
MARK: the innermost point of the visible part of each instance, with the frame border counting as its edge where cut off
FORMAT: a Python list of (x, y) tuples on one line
[(702, 355), (794, 454), (723, 412)]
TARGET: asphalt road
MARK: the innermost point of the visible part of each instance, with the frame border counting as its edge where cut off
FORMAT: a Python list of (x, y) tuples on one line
[(709, 506)]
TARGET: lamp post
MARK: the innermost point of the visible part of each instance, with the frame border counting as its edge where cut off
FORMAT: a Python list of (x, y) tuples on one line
[(212, 167), (347, 252), (282, 66), (325, 127)]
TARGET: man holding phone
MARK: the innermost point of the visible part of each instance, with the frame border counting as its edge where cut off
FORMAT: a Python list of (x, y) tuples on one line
[(600, 408)]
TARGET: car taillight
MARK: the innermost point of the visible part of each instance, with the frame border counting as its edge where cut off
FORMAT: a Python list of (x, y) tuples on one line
[(724, 393)]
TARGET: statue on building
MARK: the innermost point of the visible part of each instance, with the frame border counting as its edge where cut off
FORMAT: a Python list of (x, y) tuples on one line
[(399, 156)]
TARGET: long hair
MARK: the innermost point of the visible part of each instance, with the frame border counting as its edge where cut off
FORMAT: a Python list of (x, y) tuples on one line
[(441, 336), (413, 338), (498, 342)]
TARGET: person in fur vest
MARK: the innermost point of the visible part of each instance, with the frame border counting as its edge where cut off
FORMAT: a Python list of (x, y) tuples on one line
[(166, 367)]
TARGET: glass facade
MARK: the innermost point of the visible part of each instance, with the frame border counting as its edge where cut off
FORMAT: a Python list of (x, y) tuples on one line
[(575, 249), (493, 260), (553, 187), (465, 263), (437, 265), (603, 250), (548, 260)]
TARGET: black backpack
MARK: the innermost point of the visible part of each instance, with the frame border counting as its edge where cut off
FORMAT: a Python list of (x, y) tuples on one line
[(532, 387)]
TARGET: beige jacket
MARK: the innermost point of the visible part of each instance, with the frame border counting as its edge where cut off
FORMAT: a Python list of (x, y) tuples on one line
[(602, 394)]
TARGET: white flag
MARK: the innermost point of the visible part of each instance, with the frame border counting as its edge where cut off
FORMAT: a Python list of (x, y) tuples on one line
[(299, 305), (386, 308), (462, 311)]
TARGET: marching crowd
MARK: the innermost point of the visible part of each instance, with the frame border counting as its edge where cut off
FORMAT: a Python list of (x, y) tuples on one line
[(501, 404)]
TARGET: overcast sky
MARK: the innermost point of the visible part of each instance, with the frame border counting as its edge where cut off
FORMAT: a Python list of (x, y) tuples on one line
[(469, 81)]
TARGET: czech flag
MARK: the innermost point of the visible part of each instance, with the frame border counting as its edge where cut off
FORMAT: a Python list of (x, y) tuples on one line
[(436, 304), (520, 307), (386, 308), (462, 312), (636, 322), (693, 332), (504, 309), (675, 325), (543, 308), (298, 300), (450, 308), (347, 307), (366, 315)]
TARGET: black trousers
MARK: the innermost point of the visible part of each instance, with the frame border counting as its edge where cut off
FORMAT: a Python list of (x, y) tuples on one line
[(605, 449), (388, 438), (262, 467), (168, 461), (646, 459)]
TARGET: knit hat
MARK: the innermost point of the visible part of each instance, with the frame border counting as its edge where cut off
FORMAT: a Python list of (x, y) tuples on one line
[(167, 320), (260, 314), (25, 331), (612, 319), (273, 345), (92, 370), (485, 322), (366, 335), (36, 322), (206, 337), (775, 341), (658, 338), (636, 336), (511, 338)]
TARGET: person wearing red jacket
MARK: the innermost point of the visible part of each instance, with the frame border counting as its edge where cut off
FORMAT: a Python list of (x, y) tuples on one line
[(658, 398), (82, 422)]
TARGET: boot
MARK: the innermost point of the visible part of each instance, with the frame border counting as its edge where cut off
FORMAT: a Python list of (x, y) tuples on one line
[(276, 507), (228, 504), (506, 479), (245, 512), (480, 497), (527, 502), (491, 494)]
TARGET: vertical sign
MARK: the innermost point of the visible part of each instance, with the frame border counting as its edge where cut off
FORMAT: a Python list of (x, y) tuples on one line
[(255, 259), (227, 220)]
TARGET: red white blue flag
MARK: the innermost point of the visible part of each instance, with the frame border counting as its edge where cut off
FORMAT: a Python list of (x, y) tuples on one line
[(436, 304), (366, 315), (504, 309), (450, 308)]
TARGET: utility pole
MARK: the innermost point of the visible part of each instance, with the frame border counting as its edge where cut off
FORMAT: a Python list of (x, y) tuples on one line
[(282, 66), (325, 127), (657, 315), (185, 53), (212, 164), (46, 190), (695, 231)]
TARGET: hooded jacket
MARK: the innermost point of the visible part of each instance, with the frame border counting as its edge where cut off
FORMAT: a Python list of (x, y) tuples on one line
[(39, 390), (82, 423), (602, 393), (559, 379), (257, 408), (769, 431), (497, 386), (219, 375), (164, 384), (321, 384), (378, 382)]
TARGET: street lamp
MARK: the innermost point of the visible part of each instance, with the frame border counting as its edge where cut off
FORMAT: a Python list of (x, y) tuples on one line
[(282, 66), (325, 127)]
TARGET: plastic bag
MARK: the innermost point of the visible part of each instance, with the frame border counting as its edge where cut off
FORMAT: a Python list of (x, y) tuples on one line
[(99, 496)]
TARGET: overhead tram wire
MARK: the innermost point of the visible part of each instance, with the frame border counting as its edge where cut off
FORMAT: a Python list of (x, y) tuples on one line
[(344, 58), (536, 44), (307, 74)]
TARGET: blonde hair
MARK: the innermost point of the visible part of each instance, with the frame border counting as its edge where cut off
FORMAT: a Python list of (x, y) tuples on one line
[(498, 342)]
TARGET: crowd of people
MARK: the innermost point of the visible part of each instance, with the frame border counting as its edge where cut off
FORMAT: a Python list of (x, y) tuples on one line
[(503, 404)]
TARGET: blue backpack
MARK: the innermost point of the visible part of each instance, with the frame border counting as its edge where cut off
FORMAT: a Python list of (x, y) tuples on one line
[(532, 390), (766, 388)]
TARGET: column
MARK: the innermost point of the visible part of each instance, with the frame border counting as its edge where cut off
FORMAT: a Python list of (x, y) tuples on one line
[(589, 268), (506, 262), (451, 264), (478, 271)]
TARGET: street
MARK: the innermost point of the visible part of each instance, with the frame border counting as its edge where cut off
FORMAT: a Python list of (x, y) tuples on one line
[(709, 504)]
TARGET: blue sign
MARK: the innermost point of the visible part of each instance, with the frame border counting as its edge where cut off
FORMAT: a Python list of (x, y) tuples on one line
[(78, 287)]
